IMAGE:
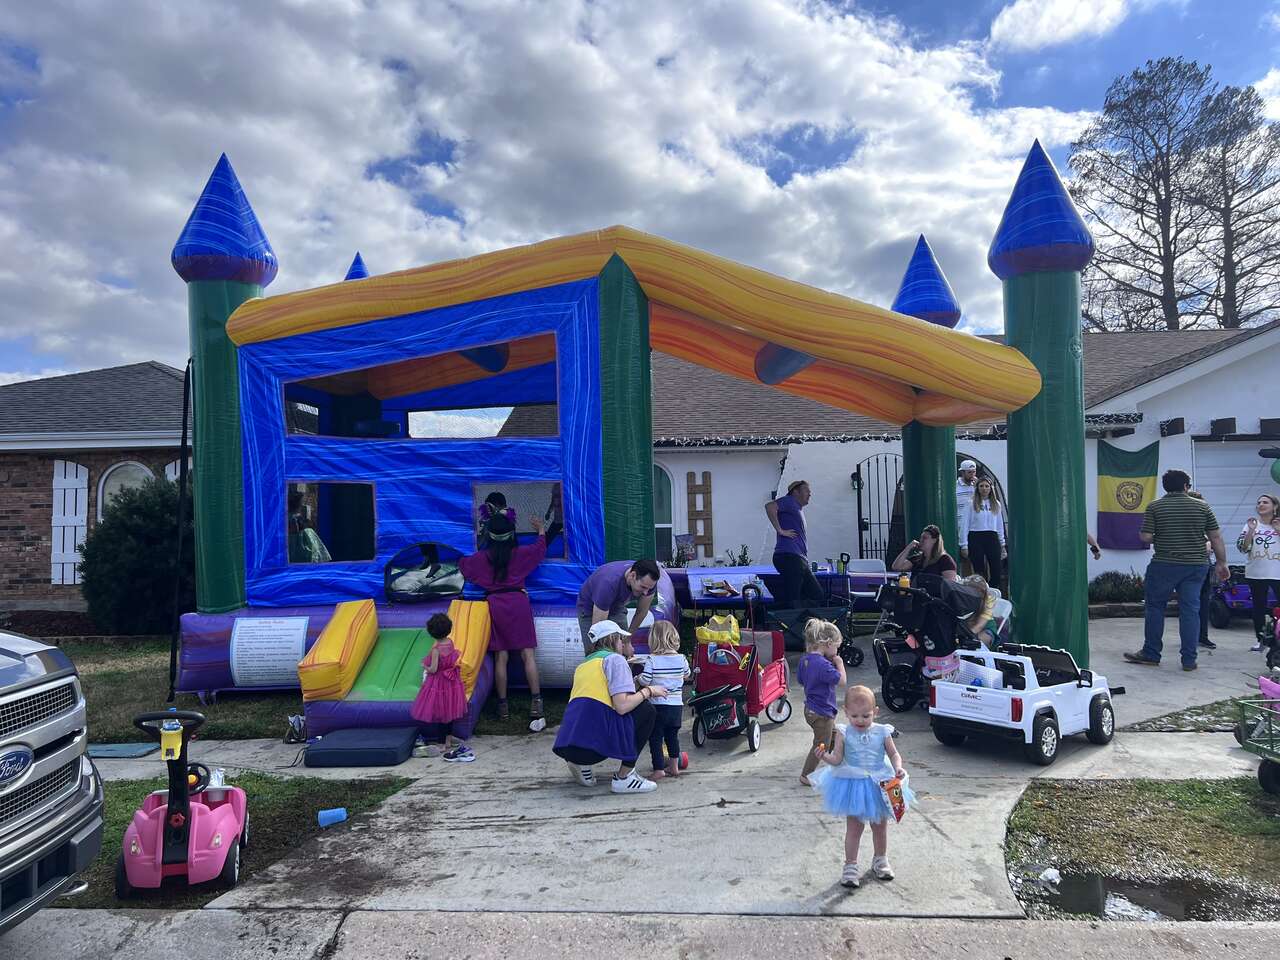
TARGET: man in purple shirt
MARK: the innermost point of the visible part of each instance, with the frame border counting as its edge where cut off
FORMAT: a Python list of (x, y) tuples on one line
[(606, 593), (790, 554)]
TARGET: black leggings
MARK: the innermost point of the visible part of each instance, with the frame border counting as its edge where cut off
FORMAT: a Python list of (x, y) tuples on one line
[(984, 555), (1258, 594), (665, 730), (799, 586), (642, 719)]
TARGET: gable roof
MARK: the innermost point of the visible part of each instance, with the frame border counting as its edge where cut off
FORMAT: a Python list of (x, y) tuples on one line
[(1165, 350), (136, 398)]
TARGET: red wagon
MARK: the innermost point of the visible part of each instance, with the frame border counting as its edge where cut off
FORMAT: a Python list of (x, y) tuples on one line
[(731, 688)]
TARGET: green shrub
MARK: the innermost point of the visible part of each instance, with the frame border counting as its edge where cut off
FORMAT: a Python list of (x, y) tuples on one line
[(1116, 587), (127, 561)]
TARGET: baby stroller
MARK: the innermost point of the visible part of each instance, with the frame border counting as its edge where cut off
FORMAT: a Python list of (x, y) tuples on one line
[(932, 611), (731, 688)]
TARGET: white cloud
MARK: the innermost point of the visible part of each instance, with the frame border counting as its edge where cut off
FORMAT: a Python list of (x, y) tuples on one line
[(1035, 24), (567, 115), (1269, 89), (18, 376)]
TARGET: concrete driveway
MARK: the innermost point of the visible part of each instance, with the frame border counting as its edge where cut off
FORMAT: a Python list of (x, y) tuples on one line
[(737, 834)]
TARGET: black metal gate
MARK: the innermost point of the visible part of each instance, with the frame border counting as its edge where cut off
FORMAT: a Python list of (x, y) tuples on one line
[(877, 481)]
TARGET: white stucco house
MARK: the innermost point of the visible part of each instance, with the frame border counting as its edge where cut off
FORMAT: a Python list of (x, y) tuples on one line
[(1211, 398)]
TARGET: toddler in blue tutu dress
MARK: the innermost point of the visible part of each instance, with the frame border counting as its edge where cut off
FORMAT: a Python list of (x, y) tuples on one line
[(857, 782)]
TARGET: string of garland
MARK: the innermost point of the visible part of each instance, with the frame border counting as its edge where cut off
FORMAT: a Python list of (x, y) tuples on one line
[(996, 431)]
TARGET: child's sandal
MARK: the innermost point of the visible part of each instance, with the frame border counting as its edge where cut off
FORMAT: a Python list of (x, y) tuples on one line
[(504, 711)]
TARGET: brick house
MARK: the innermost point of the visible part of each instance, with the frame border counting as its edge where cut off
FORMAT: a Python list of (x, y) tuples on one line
[(67, 444)]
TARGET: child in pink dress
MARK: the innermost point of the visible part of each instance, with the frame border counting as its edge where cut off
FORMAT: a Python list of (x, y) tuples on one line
[(443, 698)]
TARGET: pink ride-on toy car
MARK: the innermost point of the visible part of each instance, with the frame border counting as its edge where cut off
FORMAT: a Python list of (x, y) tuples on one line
[(192, 830)]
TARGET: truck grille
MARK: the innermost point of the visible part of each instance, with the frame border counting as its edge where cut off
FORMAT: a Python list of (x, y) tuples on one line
[(38, 792), (30, 710)]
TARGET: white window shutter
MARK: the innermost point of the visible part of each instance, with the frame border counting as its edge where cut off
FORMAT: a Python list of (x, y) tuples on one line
[(70, 519)]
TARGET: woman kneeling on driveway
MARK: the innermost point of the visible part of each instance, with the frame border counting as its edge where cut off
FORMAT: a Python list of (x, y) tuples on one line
[(606, 716)]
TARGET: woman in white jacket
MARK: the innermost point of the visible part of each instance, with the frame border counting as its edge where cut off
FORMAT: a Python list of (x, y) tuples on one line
[(982, 531)]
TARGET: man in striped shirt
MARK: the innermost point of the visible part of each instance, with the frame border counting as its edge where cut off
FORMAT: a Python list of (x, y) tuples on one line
[(1178, 525)]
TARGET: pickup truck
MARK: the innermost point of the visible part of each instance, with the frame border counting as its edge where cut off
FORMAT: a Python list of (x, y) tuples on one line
[(1033, 694), (50, 792)]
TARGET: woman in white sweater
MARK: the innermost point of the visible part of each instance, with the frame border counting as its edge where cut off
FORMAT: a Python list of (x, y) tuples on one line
[(982, 532), (1260, 542)]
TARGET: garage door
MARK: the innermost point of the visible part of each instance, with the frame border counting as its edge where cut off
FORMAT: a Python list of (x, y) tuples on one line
[(1231, 476)]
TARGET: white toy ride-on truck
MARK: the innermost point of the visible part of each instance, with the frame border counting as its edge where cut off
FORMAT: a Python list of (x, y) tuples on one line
[(1029, 693)]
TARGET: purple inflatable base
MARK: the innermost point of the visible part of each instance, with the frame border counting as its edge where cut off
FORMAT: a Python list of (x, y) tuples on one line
[(204, 663), (325, 716)]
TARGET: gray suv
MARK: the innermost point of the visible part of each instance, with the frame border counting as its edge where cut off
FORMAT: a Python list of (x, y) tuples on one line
[(50, 792)]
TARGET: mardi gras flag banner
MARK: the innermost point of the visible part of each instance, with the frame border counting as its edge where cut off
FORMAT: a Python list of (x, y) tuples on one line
[(1126, 484)]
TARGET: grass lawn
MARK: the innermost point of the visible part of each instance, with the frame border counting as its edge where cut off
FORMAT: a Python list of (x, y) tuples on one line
[(282, 814), (122, 680), (1222, 832)]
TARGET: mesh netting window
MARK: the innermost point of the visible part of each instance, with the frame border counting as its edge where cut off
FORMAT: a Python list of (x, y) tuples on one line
[(529, 420), (533, 499)]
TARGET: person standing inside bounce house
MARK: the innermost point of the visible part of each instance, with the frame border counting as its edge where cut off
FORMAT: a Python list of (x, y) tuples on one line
[(605, 595), (500, 571), (790, 554), (607, 717)]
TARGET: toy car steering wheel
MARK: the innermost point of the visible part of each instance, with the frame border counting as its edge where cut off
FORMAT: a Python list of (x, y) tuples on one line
[(202, 774), (149, 723)]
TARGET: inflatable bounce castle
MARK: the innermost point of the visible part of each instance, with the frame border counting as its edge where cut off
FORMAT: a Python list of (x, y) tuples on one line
[(323, 412)]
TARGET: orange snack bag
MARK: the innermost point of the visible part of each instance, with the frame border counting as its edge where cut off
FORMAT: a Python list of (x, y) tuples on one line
[(892, 790)]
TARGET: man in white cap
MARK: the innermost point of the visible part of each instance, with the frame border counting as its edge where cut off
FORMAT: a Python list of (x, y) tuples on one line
[(966, 484)]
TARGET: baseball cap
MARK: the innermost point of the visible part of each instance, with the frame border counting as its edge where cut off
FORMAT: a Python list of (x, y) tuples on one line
[(968, 465), (605, 628)]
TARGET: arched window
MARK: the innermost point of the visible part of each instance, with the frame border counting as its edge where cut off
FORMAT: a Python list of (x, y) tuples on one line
[(117, 477), (662, 525)]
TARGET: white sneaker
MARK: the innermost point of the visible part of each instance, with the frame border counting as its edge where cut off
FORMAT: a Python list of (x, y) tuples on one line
[(849, 876), (881, 869), (1256, 647), (537, 726), (584, 775), (632, 783)]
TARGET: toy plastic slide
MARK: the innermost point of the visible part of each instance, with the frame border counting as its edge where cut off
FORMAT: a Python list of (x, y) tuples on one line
[(330, 668)]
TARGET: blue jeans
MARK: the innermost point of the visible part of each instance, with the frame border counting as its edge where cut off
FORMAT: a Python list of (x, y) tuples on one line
[(1164, 579)]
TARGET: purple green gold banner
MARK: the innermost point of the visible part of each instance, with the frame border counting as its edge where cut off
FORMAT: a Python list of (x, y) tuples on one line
[(1126, 484)]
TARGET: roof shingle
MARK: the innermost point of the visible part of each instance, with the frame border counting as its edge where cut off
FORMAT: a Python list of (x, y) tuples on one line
[(136, 398)]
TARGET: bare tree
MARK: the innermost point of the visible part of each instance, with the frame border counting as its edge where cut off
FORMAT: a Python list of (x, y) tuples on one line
[(1239, 188), (1134, 166)]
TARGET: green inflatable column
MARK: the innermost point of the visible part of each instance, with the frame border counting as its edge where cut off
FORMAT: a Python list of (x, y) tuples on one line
[(626, 414), (1039, 249), (929, 482), (225, 259), (928, 453)]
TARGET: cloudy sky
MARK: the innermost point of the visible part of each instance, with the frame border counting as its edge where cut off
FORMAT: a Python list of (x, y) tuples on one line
[(813, 139)]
